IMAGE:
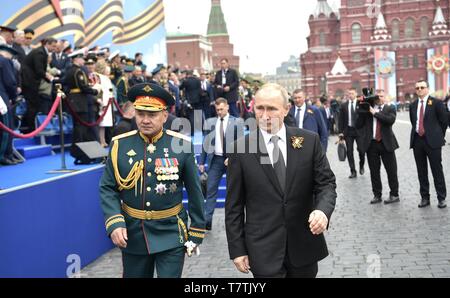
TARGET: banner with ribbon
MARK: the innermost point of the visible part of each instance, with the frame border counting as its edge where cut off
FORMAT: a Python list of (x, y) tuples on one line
[(438, 70)]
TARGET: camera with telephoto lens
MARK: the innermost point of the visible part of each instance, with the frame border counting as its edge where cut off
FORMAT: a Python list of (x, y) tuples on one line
[(369, 100)]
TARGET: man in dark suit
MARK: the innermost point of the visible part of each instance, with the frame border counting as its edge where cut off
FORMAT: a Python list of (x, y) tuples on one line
[(276, 211), (227, 86), (207, 95), (221, 130), (347, 128), (380, 143), (429, 124), (192, 92), (60, 60), (34, 70), (308, 117)]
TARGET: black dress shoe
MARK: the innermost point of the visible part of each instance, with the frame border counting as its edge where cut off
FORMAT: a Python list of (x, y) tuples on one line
[(442, 205), (392, 199), (361, 171), (376, 200), (208, 227), (7, 162), (424, 203), (353, 175)]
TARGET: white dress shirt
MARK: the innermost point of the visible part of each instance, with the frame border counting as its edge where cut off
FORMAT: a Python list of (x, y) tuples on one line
[(377, 109), (281, 143), (224, 77), (350, 103), (302, 111), (218, 148), (425, 100)]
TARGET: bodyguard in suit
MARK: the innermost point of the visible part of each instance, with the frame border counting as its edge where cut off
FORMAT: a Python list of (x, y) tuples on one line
[(379, 142), (34, 69), (227, 86), (220, 131), (192, 91), (347, 128), (308, 117), (207, 95), (281, 193), (429, 124), (141, 191)]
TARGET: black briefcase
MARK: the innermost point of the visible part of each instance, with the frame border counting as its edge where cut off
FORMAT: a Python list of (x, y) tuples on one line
[(342, 151)]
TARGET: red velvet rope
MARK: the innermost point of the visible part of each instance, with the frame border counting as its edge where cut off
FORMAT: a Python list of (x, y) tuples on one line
[(118, 108), (78, 119), (38, 130)]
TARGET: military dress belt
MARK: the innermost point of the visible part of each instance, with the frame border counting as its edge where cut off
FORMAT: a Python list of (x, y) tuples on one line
[(75, 91), (152, 214)]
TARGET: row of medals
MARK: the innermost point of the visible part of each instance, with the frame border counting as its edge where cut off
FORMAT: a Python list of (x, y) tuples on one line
[(167, 173)]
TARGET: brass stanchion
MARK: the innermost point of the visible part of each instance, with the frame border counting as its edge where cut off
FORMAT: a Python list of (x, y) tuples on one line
[(63, 168)]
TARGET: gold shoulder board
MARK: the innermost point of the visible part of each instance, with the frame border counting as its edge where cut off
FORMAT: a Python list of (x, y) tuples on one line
[(178, 135), (124, 135)]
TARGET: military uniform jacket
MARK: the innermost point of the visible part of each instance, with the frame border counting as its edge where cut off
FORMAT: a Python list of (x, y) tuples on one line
[(122, 90), (152, 191), (77, 85)]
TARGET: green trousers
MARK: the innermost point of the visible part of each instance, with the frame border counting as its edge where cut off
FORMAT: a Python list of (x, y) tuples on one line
[(169, 264)]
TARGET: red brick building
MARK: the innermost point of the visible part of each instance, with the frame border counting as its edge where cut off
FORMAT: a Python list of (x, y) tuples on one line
[(200, 52), (344, 41)]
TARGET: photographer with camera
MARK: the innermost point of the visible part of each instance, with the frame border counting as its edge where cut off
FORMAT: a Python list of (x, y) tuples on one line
[(375, 119), (348, 131)]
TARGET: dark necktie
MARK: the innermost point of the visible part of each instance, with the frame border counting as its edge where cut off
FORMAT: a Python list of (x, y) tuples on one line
[(297, 117), (278, 162), (222, 136), (378, 129), (421, 127), (353, 114)]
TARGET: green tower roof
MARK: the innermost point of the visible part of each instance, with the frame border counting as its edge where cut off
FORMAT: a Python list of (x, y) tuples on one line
[(217, 25)]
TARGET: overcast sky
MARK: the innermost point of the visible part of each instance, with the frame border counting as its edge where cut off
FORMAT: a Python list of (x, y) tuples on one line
[(264, 32)]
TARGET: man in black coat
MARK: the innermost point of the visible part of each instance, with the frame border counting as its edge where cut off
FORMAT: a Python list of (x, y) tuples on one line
[(276, 211), (34, 70), (192, 92), (429, 124), (226, 84), (348, 117), (379, 142)]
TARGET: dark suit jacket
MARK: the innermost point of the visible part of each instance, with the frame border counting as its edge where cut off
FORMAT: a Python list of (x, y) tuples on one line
[(61, 64), (232, 81), (235, 130), (435, 122), (387, 118), (192, 89), (34, 68), (265, 223), (20, 53), (312, 121)]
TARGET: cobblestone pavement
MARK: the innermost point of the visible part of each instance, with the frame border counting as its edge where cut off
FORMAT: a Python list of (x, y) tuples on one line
[(364, 240)]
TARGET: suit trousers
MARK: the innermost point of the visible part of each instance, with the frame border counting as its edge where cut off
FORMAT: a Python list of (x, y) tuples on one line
[(234, 110), (215, 173), (290, 271), (376, 152), (169, 264), (349, 141), (33, 104), (422, 152)]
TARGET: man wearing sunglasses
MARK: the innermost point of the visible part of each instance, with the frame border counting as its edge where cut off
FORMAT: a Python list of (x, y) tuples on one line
[(429, 124)]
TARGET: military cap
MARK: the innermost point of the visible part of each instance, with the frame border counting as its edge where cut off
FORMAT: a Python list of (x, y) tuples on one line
[(128, 68), (158, 68), (114, 54), (8, 49), (91, 59), (80, 53), (150, 97), (7, 28)]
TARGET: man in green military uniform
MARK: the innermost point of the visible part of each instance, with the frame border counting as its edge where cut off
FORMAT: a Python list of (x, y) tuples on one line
[(123, 85), (144, 172)]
